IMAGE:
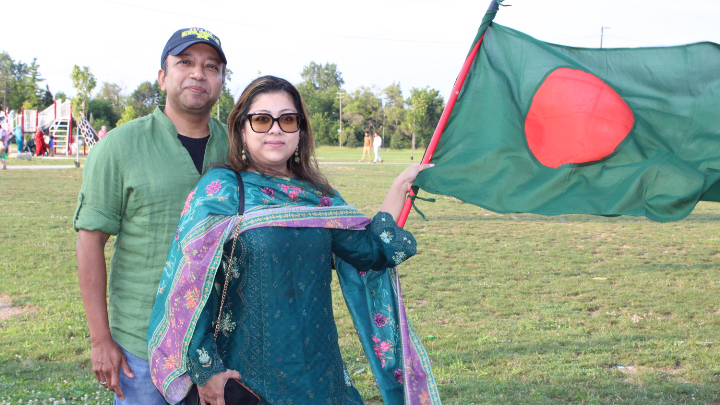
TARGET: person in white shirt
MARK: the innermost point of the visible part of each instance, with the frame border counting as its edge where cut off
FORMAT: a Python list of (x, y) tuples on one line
[(377, 143)]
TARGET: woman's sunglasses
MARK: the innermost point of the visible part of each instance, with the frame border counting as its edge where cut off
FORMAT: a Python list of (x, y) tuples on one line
[(262, 122)]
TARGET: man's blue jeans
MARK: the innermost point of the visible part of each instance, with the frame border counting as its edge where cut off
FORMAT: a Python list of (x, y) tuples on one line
[(139, 390)]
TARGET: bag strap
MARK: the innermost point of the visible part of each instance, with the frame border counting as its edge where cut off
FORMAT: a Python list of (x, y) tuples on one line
[(241, 211), (241, 194)]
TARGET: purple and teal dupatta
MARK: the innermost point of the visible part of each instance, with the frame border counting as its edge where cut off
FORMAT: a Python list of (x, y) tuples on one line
[(397, 357)]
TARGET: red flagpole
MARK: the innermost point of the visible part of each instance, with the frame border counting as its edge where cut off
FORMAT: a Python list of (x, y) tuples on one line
[(442, 123)]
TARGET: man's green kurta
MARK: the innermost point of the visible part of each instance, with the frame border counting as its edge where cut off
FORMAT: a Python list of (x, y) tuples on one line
[(135, 182)]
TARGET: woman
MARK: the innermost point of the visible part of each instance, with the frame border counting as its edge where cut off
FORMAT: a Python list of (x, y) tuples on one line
[(19, 138), (40, 145), (277, 329)]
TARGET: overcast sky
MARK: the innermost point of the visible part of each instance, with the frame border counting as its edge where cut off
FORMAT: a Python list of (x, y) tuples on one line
[(417, 43)]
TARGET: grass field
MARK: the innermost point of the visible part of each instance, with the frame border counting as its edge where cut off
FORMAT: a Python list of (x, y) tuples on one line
[(513, 309)]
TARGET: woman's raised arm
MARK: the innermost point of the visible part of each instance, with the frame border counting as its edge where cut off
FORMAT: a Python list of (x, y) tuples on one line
[(395, 198)]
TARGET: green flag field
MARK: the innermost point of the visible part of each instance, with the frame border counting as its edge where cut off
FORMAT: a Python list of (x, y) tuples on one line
[(511, 308)]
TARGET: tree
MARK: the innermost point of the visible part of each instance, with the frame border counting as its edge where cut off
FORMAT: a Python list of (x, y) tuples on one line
[(111, 92), (129, 115), (103, 113), (226, 103), (426, 106), (363, 113), (394, 118), (19, 83), (84, 82), (28, 84), (60, 96), (321, 77), (319, 88), (146, 97), (324, 129), (47, 98)]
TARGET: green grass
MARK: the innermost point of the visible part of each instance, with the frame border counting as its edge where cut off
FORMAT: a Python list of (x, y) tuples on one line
[(44, 161), (352, 155), (522, 309)]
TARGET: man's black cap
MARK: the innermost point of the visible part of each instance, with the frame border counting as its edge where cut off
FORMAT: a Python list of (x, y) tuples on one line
[(186, 37)]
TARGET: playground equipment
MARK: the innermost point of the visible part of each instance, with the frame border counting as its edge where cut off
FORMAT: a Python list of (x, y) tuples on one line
[(58, 118)]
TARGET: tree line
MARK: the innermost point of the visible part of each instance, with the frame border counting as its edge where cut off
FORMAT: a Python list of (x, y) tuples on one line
[(402, 122), (367, 109)]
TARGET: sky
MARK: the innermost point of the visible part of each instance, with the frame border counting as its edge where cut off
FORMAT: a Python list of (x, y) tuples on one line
[(374, 43)]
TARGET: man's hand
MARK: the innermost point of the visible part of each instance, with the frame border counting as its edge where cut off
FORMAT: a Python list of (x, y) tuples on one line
[(106, 356), (107, 360)]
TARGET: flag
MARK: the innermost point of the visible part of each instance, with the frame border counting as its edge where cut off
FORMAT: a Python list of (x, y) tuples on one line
[(549, 129)]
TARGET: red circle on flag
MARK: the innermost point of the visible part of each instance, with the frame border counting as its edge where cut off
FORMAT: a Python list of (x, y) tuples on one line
[(575, 117)]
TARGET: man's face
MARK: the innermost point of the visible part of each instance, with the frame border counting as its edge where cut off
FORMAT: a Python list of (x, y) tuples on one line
[(193, 80)]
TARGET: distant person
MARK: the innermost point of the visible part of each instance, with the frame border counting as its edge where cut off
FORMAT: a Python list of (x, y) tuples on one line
[(366, 147), (134, 186), (51, 145), (377, 144), (102, 132), (40, 145), (4, 145), (19, 141), (30, 146)]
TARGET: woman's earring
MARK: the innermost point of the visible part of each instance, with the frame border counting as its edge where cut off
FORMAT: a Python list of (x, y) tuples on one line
[(297, 155), (244, 156)]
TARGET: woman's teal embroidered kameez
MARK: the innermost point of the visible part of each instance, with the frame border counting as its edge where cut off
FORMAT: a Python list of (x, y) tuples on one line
[(277, 328)]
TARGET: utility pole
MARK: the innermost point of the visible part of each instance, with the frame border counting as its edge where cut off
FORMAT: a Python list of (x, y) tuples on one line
[(602, 33), (340, 94), (5, 95), (383, 125), (412, 150)]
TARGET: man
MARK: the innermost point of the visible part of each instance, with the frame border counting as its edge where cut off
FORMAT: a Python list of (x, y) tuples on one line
[(366, 147), (377, 143), (134, 184)]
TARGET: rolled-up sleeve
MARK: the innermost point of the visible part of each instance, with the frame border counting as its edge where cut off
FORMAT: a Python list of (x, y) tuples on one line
[(101, 199)]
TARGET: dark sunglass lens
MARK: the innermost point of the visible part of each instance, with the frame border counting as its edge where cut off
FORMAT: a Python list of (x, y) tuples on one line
[(261, 122), (289, 122)]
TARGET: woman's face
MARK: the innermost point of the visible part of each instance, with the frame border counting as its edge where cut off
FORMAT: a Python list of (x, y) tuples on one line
[(271, 150)]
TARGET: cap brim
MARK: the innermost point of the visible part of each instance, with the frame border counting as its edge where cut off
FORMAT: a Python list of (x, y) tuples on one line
[(182, 47)]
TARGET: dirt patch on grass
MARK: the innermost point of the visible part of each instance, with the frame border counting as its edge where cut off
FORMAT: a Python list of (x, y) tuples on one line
[(7, 310), (632, 371)]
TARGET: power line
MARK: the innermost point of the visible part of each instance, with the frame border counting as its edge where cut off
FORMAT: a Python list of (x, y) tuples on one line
[(293, 31)]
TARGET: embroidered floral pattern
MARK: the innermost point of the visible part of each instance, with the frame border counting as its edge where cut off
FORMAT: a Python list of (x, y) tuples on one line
[(399, 257), (382, 347), (204, 357), (233, 266), (186, 208), (171, 361), (268, 192), (325, 201), (226, 324), (213, 187), (292, 191), (398, 376), (380, 320), (386, 237), (192, 297)]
